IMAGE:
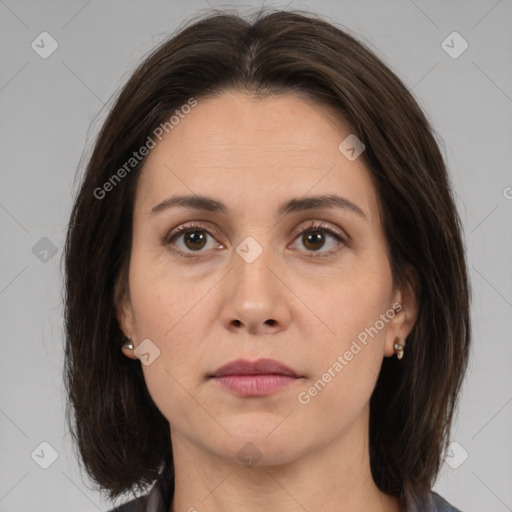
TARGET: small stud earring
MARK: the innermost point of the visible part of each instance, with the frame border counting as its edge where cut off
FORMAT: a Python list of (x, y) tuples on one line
[(399, 349), (127, 343)]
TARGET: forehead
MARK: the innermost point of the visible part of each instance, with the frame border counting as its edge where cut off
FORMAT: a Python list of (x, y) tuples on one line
[(237, 145), (236, 124)]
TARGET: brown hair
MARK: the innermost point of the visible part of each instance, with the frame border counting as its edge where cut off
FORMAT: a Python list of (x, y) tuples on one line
[(122, 437)]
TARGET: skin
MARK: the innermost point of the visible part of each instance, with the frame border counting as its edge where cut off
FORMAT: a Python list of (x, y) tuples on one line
[(290, 304)]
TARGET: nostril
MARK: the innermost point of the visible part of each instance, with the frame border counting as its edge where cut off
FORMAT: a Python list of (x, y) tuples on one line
[(237, 323), (270, 322)]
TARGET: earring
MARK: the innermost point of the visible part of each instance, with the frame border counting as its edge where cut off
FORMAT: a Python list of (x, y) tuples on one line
[(127, 343), (399, 349)]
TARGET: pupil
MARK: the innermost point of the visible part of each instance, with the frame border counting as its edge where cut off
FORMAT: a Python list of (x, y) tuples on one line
[(195, 239), (314, 237)]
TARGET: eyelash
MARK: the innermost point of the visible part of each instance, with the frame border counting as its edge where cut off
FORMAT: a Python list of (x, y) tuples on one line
[(313, 226)]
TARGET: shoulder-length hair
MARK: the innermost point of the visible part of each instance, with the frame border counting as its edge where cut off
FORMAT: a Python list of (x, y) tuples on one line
[(122, 437)]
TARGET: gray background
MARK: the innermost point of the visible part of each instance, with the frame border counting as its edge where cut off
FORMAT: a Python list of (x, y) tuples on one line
[(52, 108)]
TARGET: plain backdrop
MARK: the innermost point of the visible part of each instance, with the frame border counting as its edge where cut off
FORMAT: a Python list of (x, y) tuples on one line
[(51, 108)]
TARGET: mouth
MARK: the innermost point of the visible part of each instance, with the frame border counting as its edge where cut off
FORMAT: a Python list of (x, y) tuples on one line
[(254, 378)]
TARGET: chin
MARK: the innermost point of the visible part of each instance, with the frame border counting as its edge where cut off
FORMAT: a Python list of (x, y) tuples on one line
[(264, 426), (261, 445)]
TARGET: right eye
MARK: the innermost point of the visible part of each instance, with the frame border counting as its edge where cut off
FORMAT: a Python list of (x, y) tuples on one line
[(189, 239)]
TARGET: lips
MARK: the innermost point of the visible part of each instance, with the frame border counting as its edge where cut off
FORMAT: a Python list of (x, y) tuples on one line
[(250, 379), (243, 367)]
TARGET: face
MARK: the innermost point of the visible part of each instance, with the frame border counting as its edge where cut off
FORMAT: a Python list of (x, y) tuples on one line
[(240, 277)]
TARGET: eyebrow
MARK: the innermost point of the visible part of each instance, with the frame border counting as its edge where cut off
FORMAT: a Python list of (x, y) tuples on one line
[(204, 203)]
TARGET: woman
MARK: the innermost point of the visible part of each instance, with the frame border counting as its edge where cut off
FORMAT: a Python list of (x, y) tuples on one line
[(267, 302)]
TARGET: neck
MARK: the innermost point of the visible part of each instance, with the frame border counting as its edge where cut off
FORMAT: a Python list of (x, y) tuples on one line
[(335, 476)]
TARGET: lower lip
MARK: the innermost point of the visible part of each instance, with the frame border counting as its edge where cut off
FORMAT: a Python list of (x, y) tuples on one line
[(255, 385)]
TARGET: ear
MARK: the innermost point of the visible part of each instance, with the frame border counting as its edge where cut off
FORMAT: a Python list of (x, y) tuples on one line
[(123, 309), (406, 306)]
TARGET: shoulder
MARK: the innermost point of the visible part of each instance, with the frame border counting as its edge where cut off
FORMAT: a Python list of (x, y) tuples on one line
[(154, 501), (135, 505), (441, 505)]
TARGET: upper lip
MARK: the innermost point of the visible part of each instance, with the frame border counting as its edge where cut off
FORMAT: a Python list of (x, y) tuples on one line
[(258, 367)]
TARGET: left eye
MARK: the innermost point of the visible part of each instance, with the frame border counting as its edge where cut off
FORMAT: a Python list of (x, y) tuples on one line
[(189, 240), (315, 238)]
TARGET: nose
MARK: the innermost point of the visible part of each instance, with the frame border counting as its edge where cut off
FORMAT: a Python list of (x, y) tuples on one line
[(256, 299)]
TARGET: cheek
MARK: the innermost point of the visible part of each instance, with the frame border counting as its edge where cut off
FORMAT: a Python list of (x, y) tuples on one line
[(164, 301), (171, 319), (344, 307), (349, 355), (176, 315), (169, 392), (345, 365)]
